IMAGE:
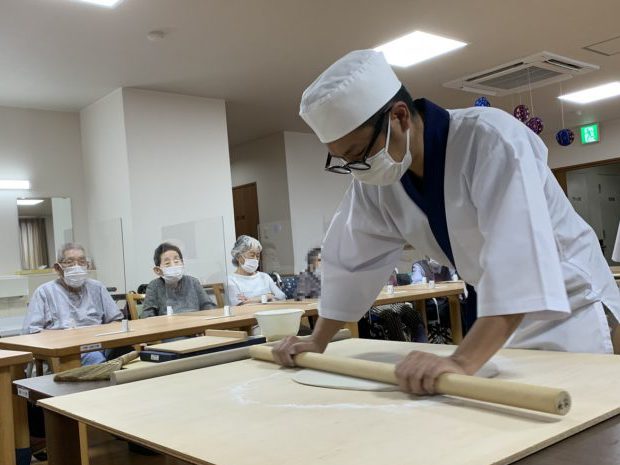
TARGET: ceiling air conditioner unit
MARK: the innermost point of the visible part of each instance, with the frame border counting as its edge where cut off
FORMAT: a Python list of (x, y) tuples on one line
[(535, 71)]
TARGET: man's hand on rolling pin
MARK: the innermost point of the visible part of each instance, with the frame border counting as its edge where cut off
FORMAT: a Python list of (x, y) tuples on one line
[(418, 371), (288, 347)]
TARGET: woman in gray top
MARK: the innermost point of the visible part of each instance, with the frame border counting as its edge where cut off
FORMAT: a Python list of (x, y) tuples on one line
[(173, 288)]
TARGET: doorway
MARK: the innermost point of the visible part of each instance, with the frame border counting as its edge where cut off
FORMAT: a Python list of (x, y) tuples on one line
[(245, 204), (593, 189)]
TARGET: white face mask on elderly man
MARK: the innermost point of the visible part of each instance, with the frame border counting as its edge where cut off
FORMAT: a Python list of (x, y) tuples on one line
[(75, 276), (383, 169)]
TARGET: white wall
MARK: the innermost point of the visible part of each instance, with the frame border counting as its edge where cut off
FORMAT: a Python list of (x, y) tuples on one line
[(44, 147), (62, 221), (577, 154), (106, 172), (177, 156), (263, 161), (314, 194)]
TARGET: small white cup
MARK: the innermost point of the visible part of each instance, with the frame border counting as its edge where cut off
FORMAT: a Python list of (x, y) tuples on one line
[(227, 310), (263, 299), (431, 284), (125, 326), (424, 280), (389, 289), (169, 311)]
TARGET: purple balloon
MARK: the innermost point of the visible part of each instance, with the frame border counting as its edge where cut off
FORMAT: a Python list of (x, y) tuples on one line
[(521, 112), (535, 124)]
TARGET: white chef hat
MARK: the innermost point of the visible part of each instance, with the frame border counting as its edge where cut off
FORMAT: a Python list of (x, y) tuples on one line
[(347, 93)]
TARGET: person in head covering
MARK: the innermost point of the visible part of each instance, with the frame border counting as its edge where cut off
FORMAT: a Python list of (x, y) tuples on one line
[(468, 187), (247, 284)]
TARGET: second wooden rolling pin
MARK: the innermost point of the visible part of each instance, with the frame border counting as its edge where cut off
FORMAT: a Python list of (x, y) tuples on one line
[(526, 396)]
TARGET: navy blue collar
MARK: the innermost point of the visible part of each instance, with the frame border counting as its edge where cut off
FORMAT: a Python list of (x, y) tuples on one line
[(429, 196)]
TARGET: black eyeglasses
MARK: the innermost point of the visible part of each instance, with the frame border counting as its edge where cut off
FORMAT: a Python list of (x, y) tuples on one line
[(358, 165)]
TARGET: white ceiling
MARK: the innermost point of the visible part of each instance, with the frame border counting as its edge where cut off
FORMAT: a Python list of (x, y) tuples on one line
[(259, 55)]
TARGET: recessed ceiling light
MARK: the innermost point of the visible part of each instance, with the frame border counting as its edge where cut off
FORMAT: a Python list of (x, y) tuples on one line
[(14, 184), (105, 3), (611, 89), (29, 202), (416, 47)]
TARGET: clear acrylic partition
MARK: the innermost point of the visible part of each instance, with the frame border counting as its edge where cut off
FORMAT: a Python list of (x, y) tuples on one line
[(277, 240), (203, 247), (107, 254)]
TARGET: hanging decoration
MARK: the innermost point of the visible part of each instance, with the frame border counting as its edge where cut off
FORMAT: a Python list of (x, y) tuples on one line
[(521, 112), (564, 136), (534, 123), (482, 102)]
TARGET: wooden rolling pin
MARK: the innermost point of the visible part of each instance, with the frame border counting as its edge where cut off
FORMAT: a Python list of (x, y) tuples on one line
[(526, 396)]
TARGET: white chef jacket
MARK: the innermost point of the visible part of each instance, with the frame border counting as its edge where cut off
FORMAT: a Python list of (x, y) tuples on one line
[(512, 233), (615, 255)]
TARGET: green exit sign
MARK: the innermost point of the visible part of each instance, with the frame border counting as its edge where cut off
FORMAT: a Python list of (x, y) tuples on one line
[(590, 134)]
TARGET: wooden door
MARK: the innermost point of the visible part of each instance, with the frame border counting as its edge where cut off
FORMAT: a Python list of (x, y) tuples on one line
[(245, 203)]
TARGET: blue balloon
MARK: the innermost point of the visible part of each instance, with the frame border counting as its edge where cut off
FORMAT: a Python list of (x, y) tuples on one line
[(565, 137), (482, 102)]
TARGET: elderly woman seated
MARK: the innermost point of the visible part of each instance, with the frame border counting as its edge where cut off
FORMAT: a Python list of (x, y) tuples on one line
[(173, 288), (246, 284)]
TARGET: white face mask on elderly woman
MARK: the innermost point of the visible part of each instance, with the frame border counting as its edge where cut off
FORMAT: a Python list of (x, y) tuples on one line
[(250, 265), (383, 169), (173, 274)]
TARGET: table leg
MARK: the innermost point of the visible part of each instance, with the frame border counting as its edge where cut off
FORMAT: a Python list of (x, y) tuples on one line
[(352, 326), (67, 440), (58, 364), (420, 306), (38, 365), (7, 434), (20, 414), (455, 319)]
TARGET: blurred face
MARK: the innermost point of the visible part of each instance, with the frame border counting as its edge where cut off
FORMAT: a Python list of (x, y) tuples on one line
[(316, 263), (168, 258)]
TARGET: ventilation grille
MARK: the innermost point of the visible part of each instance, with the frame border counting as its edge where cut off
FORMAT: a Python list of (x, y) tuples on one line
[(531, 72)]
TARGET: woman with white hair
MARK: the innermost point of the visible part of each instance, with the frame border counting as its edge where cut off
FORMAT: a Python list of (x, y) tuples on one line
[(246, 284)]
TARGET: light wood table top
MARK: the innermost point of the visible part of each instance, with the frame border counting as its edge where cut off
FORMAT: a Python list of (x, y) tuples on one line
[(207, 411), (420, 292), (72, 342), (12, 357)]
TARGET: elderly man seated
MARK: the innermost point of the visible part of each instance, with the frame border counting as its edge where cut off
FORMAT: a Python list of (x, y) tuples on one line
[(72, 300)]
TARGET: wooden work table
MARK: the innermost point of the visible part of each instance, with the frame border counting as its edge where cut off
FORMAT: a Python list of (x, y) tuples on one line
[(13, 416), (207, 410)]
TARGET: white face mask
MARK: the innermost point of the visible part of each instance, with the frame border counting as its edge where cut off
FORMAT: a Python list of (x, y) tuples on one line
[(250, 265), (383, 169), (173, 274), (74, 276)]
